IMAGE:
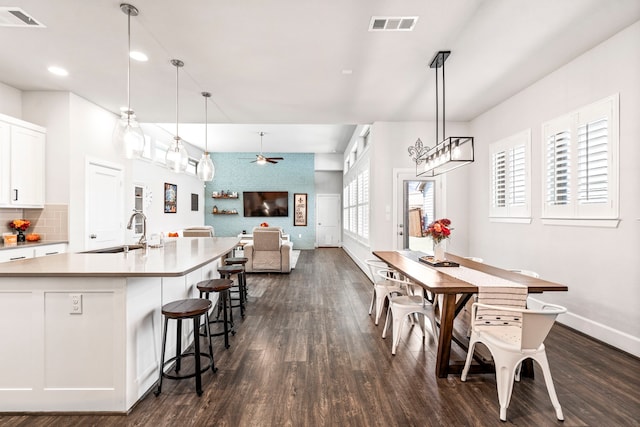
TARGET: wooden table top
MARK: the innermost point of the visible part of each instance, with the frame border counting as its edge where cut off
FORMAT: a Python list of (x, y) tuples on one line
[(441, 283)]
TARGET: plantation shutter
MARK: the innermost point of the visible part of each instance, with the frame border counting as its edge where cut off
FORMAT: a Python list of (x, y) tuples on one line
[(558, 160), (593, 173), (499, 179), (517, 176)]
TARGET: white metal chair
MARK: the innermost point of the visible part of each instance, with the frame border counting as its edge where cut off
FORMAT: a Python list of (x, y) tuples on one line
[(518, 337), (383, 288), (403, 306)]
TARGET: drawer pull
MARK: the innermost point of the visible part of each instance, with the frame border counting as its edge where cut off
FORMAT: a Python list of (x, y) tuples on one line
[(51, 253), (18, 257)]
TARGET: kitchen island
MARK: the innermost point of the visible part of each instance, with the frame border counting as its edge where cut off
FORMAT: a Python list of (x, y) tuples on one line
[(82, 331)]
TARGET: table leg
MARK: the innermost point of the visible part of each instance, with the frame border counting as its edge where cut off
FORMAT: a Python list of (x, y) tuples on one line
[(447, 314)]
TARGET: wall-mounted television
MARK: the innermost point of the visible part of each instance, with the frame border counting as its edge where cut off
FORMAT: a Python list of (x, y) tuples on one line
[(266, 203)]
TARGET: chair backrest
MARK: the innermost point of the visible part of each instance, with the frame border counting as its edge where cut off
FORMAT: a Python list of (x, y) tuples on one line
[(266, 240), (535, 324), (526, 272), (374, 264), (205, 231)]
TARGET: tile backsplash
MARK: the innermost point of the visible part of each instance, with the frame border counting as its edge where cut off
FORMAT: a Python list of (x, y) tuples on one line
[(51, 222)]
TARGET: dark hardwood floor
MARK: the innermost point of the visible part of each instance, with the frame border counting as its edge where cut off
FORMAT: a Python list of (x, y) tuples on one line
[(307, 354)]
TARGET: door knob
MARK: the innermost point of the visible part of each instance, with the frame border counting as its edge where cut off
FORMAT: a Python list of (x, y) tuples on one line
[(93, 236), (399, 233)]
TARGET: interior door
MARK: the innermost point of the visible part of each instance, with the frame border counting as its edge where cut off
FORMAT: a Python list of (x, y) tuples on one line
[(104, 206), (329, 226)]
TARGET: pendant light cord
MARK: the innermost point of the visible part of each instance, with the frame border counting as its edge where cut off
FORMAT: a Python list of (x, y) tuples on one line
[(206, 124), (128, 67), (177, 102)]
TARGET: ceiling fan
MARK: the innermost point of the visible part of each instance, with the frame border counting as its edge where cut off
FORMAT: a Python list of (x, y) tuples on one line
[(261, 159)]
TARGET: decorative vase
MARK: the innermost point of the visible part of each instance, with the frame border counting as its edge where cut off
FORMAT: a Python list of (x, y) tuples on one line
[(21, 237), (438, 250)]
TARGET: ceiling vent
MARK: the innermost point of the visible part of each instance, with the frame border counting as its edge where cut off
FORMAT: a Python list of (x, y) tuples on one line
[(392, 23), (16, 17)]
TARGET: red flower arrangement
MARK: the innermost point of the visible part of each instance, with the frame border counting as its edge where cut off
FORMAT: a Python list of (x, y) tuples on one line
[(439, 230), (20, 224), (264, 224)]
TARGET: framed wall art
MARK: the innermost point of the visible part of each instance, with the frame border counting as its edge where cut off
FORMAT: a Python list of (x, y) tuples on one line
[(300, 209), (170, 198)]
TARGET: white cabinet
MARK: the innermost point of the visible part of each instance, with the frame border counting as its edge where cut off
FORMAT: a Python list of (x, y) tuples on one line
[(7, 255), (46, 250), (22, 162)]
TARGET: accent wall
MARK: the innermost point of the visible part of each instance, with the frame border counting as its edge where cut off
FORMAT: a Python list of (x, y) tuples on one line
[(235, 173)]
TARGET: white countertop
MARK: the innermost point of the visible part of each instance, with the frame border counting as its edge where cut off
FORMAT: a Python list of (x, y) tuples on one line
[(178, 257)]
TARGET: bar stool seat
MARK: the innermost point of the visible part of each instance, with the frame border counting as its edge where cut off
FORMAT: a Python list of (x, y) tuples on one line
[(184, 309), (226, 272), (221, 286), (240, 261)]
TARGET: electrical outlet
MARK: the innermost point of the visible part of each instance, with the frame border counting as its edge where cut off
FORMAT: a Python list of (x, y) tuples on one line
[(75, 301)]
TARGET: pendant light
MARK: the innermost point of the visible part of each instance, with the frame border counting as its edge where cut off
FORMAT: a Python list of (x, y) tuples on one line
[(127, 133), (206, 170), (450, 152), (177, 156)]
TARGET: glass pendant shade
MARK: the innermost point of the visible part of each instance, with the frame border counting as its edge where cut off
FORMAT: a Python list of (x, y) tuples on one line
[(206, 169), (129, 136), (177, 157)]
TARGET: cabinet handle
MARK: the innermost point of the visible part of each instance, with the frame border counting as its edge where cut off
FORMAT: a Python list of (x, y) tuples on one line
[(16, 193), (51, 253), (18, 257)]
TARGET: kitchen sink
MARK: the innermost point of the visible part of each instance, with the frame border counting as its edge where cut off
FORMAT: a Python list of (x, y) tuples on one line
[(115, 249)]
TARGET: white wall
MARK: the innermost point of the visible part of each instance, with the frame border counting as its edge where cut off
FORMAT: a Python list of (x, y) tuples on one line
[(327, 182), (10, 101), (389, 143), (77, 130), (328, 162), (600, 265)]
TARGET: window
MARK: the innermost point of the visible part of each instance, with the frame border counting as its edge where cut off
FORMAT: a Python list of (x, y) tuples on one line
[(363, 204), (581, 163), (510, 177), (355, 205)]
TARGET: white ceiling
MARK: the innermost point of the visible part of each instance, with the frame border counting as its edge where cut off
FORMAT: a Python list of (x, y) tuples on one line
[(278, 63)]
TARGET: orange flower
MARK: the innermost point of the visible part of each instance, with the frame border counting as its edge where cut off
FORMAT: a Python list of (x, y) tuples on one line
[(20, 224), (439, 230)]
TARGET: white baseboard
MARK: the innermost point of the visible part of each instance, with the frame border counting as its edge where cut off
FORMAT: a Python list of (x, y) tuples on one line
[(604, 333)]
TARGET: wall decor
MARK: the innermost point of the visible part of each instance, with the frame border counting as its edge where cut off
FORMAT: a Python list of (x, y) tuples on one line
[(300, 209), (170, 198), (194, 202)]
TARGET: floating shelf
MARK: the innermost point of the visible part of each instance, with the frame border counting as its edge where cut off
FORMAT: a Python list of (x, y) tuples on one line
[(224, 213), (225, 197)]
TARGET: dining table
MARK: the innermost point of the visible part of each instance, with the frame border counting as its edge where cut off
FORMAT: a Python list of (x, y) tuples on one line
[(454, 294)]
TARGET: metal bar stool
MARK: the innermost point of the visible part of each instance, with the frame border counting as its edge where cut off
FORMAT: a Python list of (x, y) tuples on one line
[(227, 272), (221, 286), (192, 308), (240, 261)]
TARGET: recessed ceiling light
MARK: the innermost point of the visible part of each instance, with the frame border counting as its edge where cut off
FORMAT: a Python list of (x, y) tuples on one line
[(138, 56), (347, 72), (58, 71)]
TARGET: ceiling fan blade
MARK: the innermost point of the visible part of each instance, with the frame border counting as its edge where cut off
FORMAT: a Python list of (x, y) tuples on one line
[(276, 158), (271, 161), (253, 161)]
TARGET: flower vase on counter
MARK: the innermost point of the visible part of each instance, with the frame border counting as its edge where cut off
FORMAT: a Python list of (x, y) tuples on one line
[(21, 237), (20, 225)]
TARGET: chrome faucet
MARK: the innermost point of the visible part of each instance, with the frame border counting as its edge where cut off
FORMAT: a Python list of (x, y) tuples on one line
[(143, 238)]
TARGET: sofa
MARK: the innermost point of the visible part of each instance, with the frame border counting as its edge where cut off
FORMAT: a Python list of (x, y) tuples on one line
[(268, 252)]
